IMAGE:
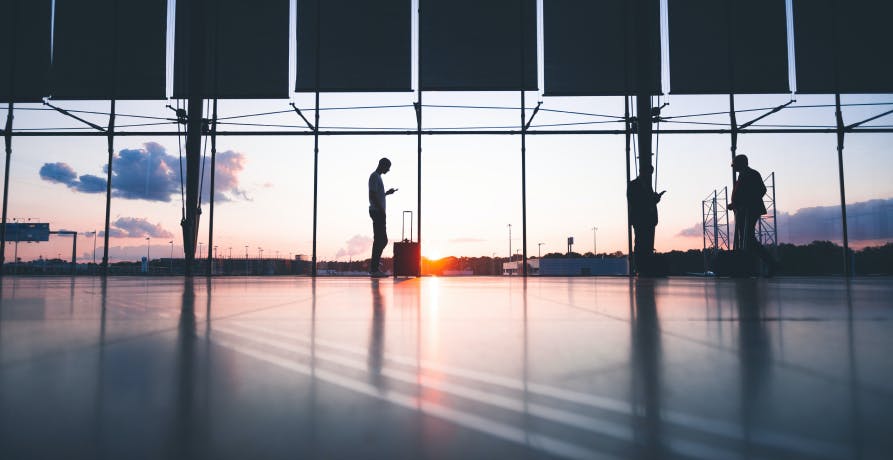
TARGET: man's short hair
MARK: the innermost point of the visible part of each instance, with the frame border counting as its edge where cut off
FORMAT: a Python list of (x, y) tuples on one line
[(384, 162), (740, 160)]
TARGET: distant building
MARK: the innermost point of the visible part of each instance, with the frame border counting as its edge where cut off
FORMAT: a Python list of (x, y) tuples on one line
[(584, 266), (581, 266), (514, 267)]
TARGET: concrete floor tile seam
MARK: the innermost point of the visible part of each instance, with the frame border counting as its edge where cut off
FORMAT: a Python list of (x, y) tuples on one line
[(691, 448), (479, 424), (619, 432), (263, 308), (93, 346), (484, 403), (715, 427), (782, 364)]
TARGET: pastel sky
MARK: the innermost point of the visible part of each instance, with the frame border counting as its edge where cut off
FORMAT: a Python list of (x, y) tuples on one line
[(471, 184)]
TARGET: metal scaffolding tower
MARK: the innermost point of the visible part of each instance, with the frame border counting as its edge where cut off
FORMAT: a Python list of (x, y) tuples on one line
[(715, 222), (767, 227)]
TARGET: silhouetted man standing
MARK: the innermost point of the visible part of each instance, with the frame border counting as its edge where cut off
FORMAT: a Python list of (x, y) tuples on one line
[(377, 208), (747, 203), (642, 203)]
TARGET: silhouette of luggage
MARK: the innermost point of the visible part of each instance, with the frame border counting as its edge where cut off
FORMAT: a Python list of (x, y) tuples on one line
[(407, 253)]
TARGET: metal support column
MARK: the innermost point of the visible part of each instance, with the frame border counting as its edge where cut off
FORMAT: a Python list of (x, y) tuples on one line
[(629, 227), (418, 112), (7, 138), (733, 125), (315, 174), (213, 189), (641, 35), (523, 186), (840, 138), (316, 135), (524, 125), (110, 137), (194, 122)]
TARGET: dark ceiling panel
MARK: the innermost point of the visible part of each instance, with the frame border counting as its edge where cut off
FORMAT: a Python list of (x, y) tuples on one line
[(854, 35), (109, 49), (728, 46), (589, 46), (246, 49), (24, 50), (472, 45), (363, 45)]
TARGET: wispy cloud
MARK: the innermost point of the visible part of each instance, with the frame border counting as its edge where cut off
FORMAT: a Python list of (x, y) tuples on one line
[(356, 245), (150, 173), (135, 227)]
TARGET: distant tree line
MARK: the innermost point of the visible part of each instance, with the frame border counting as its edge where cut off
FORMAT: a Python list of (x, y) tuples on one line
[(814, 259)]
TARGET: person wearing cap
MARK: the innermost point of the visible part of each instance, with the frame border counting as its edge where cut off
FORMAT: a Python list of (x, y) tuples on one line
[(747, 203), (377, 212), (642, 206)]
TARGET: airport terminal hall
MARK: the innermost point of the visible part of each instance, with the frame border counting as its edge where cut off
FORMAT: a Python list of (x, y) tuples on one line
[(446, 229)]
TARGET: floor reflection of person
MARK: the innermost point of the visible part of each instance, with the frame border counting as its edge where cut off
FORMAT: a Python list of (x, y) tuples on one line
[(647, 369), (754, 349), (376, 337)]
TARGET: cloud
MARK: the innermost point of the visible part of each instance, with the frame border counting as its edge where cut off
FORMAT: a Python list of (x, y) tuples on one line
[(695, 231), (357, 245), (58, 173), (150, 173), (63, 173), (466, 240), (866, 221), (91, 184), (229, 164), (134, 227)]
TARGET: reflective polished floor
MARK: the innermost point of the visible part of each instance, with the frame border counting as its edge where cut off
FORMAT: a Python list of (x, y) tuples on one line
[(471, 367)]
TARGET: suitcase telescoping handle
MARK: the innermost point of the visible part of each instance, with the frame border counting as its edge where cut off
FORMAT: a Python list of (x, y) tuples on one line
[(403, 227)]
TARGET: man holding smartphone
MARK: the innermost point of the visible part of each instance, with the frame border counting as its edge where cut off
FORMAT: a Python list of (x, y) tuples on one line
[(642, 203), (377, 212)]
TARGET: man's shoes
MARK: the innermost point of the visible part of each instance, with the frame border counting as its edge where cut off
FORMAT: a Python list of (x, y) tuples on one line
[(378, 274)]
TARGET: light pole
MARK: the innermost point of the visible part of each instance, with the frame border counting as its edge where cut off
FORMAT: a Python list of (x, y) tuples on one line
[(594, 241), (246, 251), (260, 252), (539, 252), (171, 242), (200, 249), (148, 239), (510, 241), (215, 251), (230, 252)]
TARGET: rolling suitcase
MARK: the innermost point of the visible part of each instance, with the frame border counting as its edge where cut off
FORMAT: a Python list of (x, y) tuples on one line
[(407, 254)]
